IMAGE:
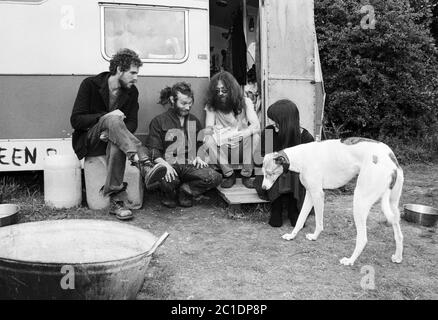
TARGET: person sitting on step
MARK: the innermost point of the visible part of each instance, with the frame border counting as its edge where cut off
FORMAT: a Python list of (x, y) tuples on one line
[(229, 114), (284, 133)]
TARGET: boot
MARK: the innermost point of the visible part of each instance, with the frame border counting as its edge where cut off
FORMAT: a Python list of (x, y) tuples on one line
[(185, 199), (292, 210), (169, 199), (276, 219)]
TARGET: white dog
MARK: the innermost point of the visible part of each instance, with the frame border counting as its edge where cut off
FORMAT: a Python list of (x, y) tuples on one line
[(331, 164)]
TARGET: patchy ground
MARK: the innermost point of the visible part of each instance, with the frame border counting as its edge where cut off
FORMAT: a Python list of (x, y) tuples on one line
[(214, 253)]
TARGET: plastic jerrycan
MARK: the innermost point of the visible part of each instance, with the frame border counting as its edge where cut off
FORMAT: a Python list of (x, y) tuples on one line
[(62, 180)]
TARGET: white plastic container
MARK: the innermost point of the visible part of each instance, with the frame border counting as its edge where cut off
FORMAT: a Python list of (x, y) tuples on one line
[(62, 180), (135, 187), (95, 175)]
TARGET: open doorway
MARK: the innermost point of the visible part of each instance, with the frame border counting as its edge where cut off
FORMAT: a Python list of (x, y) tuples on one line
[(233, 43)]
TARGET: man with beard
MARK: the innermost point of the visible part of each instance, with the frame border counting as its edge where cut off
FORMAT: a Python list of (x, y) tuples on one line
[(173, 143), (229, 114), (104, 118)]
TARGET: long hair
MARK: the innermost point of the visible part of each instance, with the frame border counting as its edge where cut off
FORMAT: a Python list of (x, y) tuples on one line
[(235, 93), (285, 113), (182, 87)]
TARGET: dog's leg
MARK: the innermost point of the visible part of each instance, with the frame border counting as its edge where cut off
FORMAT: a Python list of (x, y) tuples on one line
[(361, 207), (304, 213), (394, 199), (371, 185), (318, 204)]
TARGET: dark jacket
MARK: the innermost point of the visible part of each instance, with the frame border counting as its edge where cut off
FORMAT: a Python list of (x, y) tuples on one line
[(91, 103), (159, 128), (289, 180)]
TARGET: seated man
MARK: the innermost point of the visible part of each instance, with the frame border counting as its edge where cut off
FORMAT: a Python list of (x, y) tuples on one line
[(229, 114), (104, 118), (187, 174)]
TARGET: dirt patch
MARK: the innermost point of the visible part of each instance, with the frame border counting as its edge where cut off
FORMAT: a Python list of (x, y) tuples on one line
[(214, 253)]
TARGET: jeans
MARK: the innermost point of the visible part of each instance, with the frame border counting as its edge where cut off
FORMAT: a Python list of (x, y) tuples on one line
[(121, 143), (198, 180), (219, 154)]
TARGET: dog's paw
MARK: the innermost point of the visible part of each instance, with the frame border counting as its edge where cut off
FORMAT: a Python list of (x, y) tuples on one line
[(288, 236), (346, 261), (311, 236), (396, 259)]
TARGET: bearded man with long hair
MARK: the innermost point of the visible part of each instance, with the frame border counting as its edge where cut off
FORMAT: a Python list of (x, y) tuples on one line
[(230, 114)]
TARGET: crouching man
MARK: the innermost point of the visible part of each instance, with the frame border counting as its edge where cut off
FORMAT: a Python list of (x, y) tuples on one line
[(104, 118), (173, 142)]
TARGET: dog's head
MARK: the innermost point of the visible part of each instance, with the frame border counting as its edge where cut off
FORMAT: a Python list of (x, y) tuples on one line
[(274, 164)]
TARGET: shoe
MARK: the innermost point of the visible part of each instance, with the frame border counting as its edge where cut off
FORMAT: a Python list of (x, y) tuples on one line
[(169, 199), (184, 198), (152, 174), (228, 182), (248, 182), (276, 219), (119, 209)]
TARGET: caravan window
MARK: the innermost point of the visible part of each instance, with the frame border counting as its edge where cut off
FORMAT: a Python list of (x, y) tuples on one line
[(24, 1), (156, 34)]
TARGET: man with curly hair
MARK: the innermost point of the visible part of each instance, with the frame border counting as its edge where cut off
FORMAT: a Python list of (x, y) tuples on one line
[(232, 127), (104, 118)]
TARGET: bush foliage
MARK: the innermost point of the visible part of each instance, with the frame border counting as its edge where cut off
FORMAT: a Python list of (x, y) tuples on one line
[(380, 82)]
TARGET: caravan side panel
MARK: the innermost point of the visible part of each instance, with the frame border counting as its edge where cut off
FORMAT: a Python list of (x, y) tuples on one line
[(52, 46), (289, 47)]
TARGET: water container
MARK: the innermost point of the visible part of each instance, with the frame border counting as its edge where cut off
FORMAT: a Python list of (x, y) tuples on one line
[(95, 177), (62, 180), (135, 186), (95, 171)]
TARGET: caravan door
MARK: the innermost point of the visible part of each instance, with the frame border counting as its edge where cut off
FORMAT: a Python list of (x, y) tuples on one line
[(288, 42)]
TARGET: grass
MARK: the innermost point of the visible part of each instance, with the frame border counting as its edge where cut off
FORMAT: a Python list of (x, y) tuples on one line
[(217, 253)]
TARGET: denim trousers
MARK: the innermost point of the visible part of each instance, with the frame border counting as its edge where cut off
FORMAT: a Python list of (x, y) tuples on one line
[(121, 143), (199, 180)]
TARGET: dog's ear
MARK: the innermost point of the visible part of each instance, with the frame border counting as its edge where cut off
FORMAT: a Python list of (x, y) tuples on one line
[(280, 160)]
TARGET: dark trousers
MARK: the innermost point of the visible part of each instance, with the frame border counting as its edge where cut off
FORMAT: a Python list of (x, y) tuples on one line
[(121, 143), (198, 180), (277, 209)]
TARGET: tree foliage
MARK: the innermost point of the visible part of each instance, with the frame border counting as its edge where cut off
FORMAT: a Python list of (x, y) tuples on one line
[(380, 80)]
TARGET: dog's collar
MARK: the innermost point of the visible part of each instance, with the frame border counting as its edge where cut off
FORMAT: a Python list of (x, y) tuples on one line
[(286, 162)]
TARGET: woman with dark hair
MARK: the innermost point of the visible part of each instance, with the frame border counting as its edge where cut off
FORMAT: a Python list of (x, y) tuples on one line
[(231, 116), (284, 133)]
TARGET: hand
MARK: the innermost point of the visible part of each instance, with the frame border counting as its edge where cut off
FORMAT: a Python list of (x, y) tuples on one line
[(104, 136), (199, 163), (170, 173), (117, 112), (236, 139)]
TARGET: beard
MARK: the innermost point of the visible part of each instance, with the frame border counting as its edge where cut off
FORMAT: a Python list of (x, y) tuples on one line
[(125, 85), (222, 105)]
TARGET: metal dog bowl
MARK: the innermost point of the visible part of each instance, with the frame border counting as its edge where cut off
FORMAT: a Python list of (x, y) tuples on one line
[(74, 259), (420, 214), (8, 214)]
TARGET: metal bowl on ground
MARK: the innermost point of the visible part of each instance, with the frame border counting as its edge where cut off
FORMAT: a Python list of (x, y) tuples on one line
[(420, 214), (74, 259), (8, 214)]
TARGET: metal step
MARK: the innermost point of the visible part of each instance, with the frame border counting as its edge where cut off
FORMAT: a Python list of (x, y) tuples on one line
[(238, 194)]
